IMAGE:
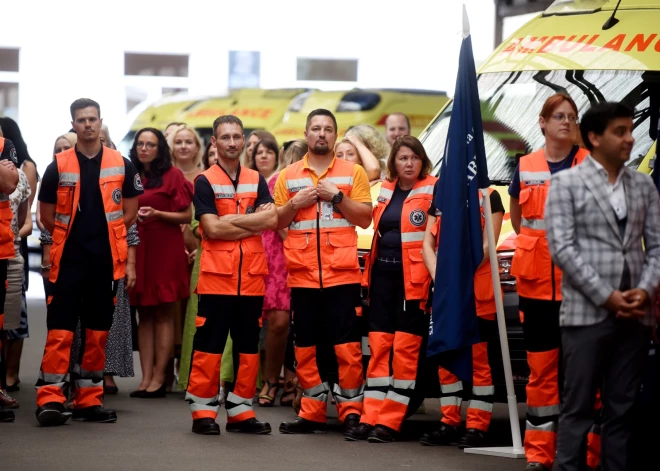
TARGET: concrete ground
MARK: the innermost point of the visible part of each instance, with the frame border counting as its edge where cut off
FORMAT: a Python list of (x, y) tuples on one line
[(154, 434)]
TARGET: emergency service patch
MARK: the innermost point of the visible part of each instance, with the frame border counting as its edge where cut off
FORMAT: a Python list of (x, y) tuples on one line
[(382, 199), (116, 195), (417, 217), (12, 156), (250, 209), (137, 182)]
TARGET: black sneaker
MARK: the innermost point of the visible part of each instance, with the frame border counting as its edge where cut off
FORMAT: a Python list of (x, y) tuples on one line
[(358, 433), (444, 435), (7, 415), (534, 466), (51, 414), (473, 438), (382, 434), (205, 426), (95, 414), (301, 425), (249, 426)]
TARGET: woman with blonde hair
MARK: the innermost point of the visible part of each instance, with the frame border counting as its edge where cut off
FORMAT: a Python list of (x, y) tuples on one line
[(369, 150), (292, 151), (187, 150)]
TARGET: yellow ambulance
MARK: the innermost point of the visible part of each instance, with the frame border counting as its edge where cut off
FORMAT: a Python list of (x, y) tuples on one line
[(360, 106), (568, 48)]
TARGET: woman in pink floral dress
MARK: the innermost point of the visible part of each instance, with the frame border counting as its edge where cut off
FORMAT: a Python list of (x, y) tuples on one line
[(277, 299)]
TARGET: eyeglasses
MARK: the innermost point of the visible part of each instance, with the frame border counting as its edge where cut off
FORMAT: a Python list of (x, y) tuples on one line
[(560, 117), (148, 145)]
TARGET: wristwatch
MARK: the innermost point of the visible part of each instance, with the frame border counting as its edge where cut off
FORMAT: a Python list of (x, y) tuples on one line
[(337, 198)]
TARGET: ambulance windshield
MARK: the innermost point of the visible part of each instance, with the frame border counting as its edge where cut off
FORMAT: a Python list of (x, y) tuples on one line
[(511, 103)]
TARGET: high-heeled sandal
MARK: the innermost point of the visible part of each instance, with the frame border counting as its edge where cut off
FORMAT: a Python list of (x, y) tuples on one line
[(288, 394), (268, 400)]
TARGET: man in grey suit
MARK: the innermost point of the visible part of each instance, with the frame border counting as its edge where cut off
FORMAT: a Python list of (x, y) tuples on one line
[(603, 227)]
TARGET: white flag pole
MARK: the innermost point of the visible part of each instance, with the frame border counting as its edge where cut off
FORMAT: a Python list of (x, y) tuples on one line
[(517, 450)]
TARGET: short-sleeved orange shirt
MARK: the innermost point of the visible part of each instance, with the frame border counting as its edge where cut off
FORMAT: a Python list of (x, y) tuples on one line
[(361, 191)]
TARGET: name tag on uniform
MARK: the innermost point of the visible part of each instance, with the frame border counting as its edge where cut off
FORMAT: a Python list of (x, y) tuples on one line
[(382, 199), (326, 211), (65, 183), (534, 182), (296, 189), (223, 195)]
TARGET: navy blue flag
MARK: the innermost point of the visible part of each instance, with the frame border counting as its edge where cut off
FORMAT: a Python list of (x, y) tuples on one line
[(454, 327)]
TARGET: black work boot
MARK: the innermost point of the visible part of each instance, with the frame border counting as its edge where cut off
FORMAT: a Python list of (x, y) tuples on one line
[(7, 415), (358, 433), (534, 466), (249, 426), (51, 414), (382, 434), (350, 422), (95, 414), (205, 426), (473, 438), (301, 425), (444, 435)]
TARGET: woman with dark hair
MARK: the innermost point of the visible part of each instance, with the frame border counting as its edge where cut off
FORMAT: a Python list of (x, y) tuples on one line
[(162, 265), (16, 336)]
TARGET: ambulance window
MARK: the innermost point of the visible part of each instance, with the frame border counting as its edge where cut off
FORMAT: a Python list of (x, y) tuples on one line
[(358, 101), (511, 102)]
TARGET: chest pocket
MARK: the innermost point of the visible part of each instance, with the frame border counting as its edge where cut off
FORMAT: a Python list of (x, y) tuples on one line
[(532, 201)]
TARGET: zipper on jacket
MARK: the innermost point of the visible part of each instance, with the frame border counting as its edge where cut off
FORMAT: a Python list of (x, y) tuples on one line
[(318, 242), (240, 250)]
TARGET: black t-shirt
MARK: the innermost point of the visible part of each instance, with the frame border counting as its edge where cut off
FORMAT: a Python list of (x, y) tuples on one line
[(496, 205), (88, 238), (9, 152), (204, 197), (389, 226)]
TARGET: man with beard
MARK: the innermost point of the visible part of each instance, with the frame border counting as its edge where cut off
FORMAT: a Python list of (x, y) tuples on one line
[(233, 205), (320, 200)]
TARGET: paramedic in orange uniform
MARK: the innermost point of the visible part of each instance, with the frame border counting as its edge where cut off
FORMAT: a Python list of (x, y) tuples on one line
[(88, 198), (321, 199)]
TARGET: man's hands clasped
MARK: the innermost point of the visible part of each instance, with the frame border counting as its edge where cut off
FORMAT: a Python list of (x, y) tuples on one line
[(629, 304)]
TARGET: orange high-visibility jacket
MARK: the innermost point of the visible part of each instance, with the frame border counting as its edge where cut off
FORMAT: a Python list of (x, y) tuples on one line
[(537, 277), (111, 181), (233, 267), (6, 234), (321, 251), (416, 277), (484, 292)]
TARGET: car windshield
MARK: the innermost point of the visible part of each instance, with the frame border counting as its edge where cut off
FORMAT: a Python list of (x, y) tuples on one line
[(511, 103)]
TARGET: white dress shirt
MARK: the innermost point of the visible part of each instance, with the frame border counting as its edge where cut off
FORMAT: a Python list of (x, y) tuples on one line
[(615, 191)]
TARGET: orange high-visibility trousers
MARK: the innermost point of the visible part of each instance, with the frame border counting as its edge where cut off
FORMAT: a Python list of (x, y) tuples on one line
[(85, 292), (396, 328), (480, 405), (219, 315), (328, 351), (540, 321)]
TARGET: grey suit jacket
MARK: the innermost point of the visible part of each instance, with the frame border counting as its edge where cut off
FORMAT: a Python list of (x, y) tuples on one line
[(586, 244)]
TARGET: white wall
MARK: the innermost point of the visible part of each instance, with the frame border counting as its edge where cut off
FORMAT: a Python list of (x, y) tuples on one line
[(75, 48)]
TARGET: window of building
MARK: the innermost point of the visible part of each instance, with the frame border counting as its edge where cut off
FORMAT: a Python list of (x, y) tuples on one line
[(9, 100), (334, 70), (8, 60), (156, 65)]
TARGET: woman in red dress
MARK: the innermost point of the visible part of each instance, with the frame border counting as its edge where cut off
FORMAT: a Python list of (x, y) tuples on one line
[(162, 265)]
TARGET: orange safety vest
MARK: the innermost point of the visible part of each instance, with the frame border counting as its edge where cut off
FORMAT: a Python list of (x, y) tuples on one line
[(111, 181), (6, 234), (537, 277), (484, 292), (233, 267), (416, 278), (321, 252)]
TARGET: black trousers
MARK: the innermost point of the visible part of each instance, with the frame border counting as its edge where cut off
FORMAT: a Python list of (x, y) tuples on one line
[(610, 355)]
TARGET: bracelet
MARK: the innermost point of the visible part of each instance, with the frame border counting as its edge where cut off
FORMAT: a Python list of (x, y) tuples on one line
[(47, 267)]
